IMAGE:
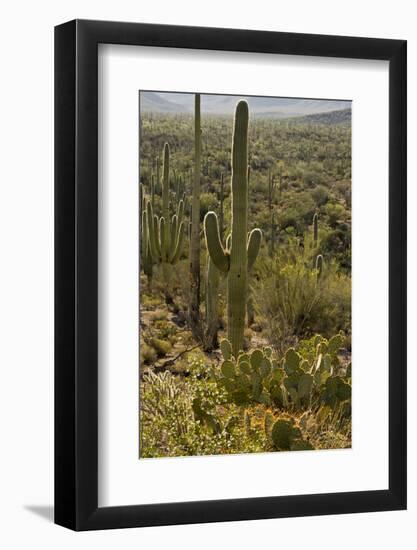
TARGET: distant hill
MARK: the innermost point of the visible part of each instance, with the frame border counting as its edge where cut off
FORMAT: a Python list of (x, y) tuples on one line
[(155, 103), (343, 116), (262, 107)]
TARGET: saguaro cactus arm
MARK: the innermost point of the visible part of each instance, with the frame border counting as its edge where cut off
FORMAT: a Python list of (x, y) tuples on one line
[(319, 266), (214, 246), (212, 289), (254, 244), (152, 232), (179, 244)]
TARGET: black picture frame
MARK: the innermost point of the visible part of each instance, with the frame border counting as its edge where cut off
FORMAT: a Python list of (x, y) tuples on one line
[(76, 272)]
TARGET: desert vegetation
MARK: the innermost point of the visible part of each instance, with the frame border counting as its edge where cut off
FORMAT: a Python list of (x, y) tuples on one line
[(245, 283)]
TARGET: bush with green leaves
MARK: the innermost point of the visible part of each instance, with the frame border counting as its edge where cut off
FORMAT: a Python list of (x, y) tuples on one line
[(189, 416), (289, 303)]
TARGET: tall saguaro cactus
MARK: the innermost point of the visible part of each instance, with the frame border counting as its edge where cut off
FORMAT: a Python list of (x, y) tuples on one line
[(271, 190), (194, 305), (221, 207), (145, 248), (166, 234), (212, 316), (315, 228), (273, 235), (239, 258)]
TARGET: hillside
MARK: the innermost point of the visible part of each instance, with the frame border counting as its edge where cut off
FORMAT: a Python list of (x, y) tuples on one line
[(260, 107), (343, 116)]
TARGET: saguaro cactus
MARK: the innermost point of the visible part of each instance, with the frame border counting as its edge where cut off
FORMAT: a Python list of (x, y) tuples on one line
[(212, 317), (236, 260), (158, 175), (166, 235), (273, 235), (194, 306), (271, 190), (221, 207), (153, 190), (145, 248), (315, 228)]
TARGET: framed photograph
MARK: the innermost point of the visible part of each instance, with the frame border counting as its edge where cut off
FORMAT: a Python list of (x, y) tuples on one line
[(230, 248)]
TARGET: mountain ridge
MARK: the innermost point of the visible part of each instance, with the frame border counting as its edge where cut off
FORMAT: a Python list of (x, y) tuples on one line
[(266, 107)]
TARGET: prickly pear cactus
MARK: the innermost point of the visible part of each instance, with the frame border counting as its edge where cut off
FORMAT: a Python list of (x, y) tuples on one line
[(287, 436), (251, 378)]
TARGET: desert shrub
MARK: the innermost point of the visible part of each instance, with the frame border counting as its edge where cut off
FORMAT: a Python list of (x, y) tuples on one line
[(208, 201), (190, 416), (161, 347), (335, 213), (165, 329), (158, 315), (291, 303), (147, 354), (320, 195)]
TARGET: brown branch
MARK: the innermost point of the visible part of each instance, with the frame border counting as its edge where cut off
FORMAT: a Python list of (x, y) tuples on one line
[(171, 361)]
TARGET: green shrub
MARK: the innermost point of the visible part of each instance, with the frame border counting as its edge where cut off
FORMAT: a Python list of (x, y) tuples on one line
[(147, 354), (291, 305), (162, 347)]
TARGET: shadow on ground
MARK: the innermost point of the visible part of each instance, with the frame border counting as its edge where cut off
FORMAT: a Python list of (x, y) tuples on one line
[(45, 512)]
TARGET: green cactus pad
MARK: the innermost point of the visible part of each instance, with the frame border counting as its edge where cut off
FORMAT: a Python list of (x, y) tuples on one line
[(226, 349), (243, 382), (243, 358), (292, 361), (322, 347), (335, 344), (256, 358), (278, 375), (228, 369), (277, 394), (305, 385), (349, 371), (293, 393), (245, 367), (326, 363), (256, 385), (265, 367), (240, 397), (320, 377), (344, 390), (317, 340), (265, 399), (229, 384), (282, 434)]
